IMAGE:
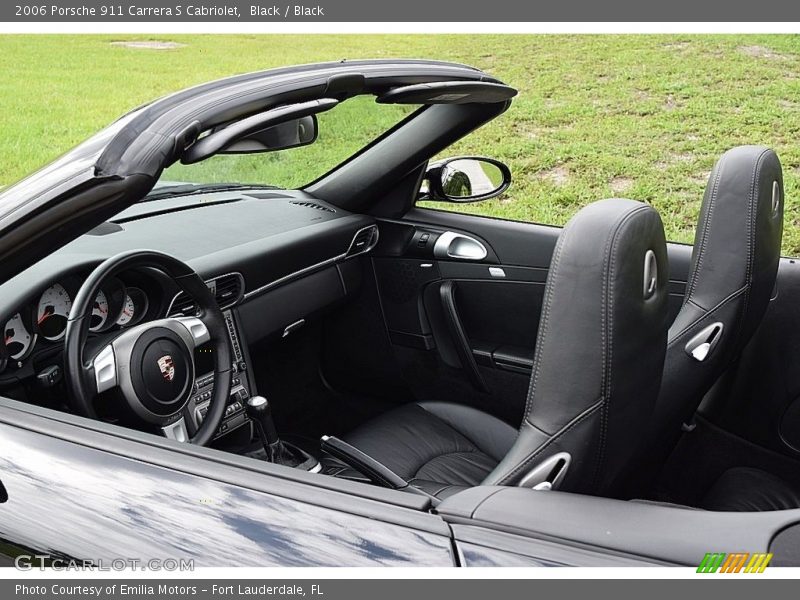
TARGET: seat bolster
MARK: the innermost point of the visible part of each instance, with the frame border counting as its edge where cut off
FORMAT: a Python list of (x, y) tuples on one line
[(745, 489), (489, 434)]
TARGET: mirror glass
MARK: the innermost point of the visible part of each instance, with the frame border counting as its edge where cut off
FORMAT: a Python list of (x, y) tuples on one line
[(291, 134), (465, 179)]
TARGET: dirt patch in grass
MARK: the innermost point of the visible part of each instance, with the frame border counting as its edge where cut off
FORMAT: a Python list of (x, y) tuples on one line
[(544, 132), (762, 52), (671, 103), (675, 158), (621, 185), (680, 157), (557, 175), (700, 178), (149, 45), (676, 46)]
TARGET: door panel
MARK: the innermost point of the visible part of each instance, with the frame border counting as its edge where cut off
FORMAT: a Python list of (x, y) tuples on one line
[(457, 330)]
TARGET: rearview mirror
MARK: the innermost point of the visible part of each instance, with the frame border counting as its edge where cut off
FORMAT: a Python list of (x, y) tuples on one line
[(292, 134), (465, 179), (279, 128)]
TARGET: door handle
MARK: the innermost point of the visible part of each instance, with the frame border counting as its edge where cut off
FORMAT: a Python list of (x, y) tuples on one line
[(701, 345), (447, 293), (459, 246)]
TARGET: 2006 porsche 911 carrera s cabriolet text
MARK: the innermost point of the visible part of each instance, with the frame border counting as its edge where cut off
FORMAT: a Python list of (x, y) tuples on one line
[(207, 358)]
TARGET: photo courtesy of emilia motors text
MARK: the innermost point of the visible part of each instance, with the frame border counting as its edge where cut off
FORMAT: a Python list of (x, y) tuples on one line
[(343, 299)]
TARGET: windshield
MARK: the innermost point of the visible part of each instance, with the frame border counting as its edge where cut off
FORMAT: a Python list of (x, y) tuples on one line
[(343, 131)]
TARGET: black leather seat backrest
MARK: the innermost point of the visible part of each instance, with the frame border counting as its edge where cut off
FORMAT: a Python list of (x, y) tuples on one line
[(600, 348), (732, 277)]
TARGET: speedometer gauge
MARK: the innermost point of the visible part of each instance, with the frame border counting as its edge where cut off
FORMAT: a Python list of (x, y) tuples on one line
[(134, 307), (128, 311), (52, 312), (18, 340), (99, 312)]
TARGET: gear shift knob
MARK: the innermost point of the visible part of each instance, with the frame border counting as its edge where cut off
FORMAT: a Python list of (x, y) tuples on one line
[(277, 452), (260, 413)]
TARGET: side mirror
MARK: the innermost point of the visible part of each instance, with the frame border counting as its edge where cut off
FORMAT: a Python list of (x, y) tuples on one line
[(465, 179)]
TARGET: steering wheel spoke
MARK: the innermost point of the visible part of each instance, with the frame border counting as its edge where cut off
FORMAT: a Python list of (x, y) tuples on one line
[(104, 366), (176, 431), (197, 330)]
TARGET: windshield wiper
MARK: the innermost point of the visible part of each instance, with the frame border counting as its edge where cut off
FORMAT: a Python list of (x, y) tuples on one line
[(188, 189)]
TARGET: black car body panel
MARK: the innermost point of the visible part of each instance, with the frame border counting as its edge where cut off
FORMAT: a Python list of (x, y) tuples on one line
[(76, 499)]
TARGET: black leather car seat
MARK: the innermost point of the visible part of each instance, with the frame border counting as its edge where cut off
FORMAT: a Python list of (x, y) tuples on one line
[(596, 373), (731, 280)]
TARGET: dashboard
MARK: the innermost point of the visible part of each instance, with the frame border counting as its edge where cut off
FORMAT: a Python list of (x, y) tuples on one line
[(273, 259)]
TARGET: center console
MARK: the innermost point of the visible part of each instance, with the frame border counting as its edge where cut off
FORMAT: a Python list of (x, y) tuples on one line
[(242, 387), (244, 408)]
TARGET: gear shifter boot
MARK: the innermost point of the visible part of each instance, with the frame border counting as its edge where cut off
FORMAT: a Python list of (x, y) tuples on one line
[(289, 455), (274, 449)]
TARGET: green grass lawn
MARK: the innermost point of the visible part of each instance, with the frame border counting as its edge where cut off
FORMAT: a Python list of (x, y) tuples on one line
[(643, 117)]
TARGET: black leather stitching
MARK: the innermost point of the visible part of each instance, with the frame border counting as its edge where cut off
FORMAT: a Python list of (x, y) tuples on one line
[(607, 324), (533, 455), (677, 337), (753, 207), (543, 329), (707, 218)]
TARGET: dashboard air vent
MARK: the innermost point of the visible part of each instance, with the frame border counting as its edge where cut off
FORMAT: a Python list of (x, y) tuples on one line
[(363, 241), (182, 306), (227, 289), (313, 205)]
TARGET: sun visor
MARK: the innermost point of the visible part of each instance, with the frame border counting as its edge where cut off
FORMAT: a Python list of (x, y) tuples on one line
[(448, 92)]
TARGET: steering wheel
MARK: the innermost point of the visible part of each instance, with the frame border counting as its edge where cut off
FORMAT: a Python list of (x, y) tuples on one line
[(151, 366)]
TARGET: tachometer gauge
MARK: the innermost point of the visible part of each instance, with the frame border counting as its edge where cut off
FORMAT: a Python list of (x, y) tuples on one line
[(52, 312), (134, 308), (18, 340), (99, 312)]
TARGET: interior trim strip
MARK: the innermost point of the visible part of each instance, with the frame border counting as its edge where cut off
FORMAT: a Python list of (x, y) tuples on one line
[(295, 275), (320, 265)]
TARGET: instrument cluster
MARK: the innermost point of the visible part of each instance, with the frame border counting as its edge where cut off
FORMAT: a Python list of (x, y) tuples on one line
[(42, 323)]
